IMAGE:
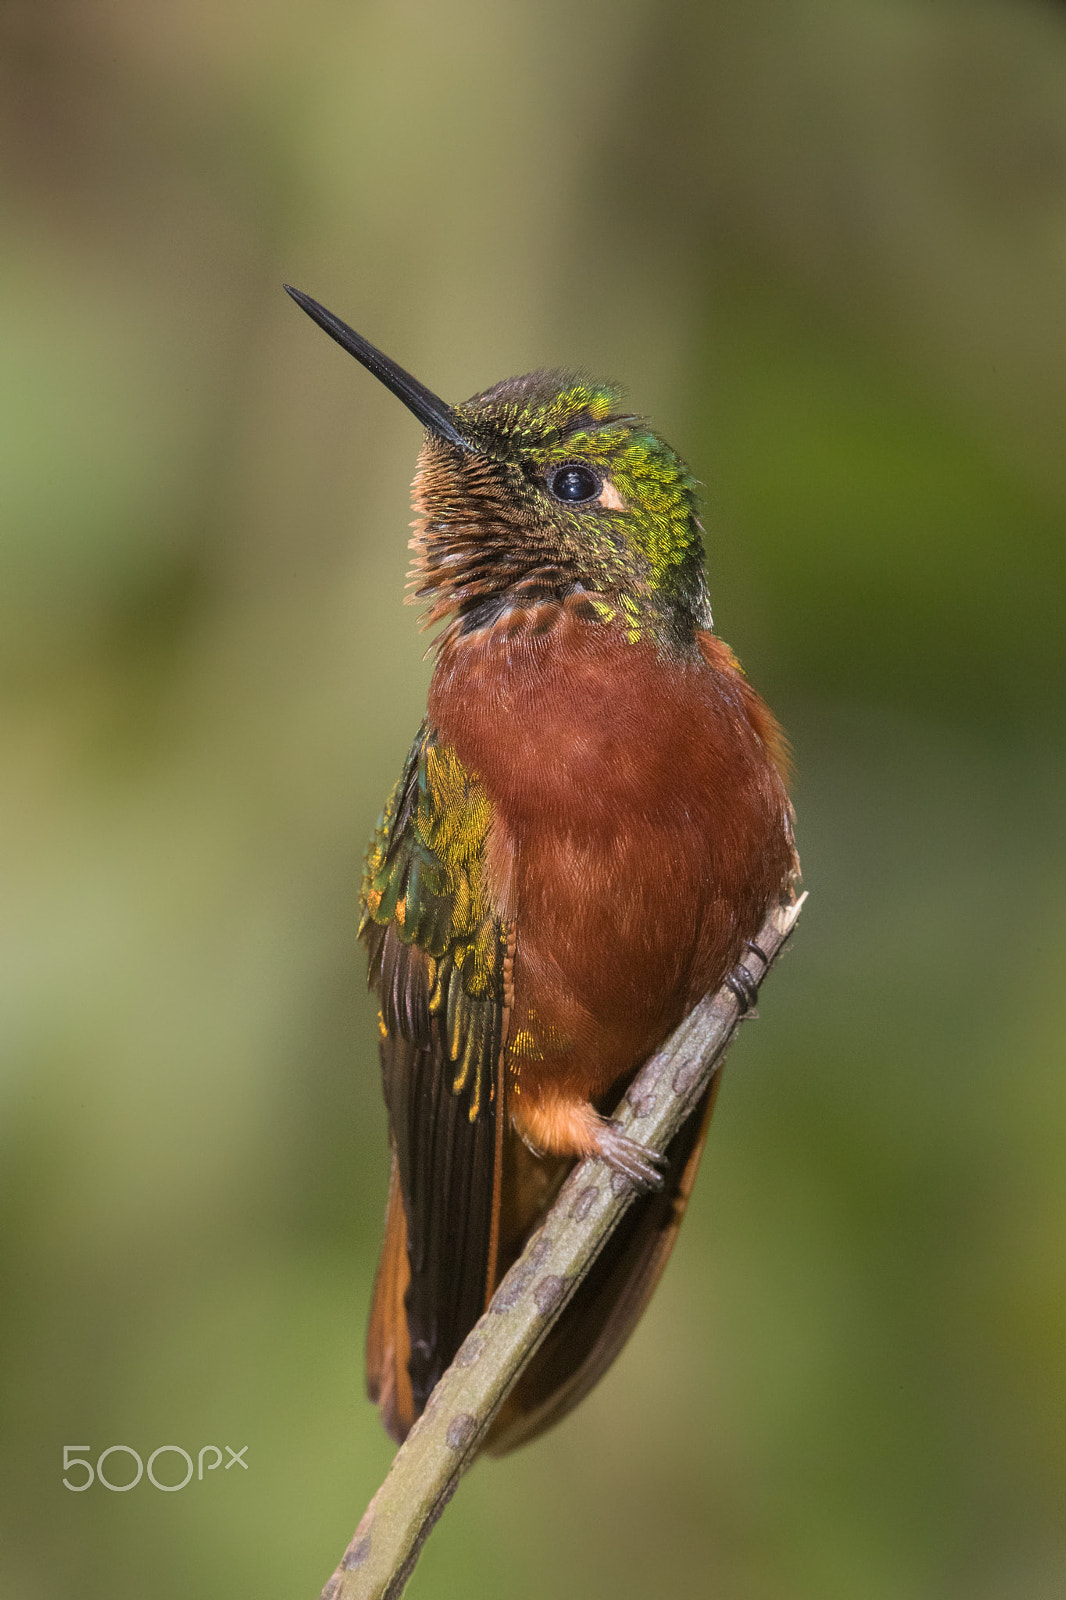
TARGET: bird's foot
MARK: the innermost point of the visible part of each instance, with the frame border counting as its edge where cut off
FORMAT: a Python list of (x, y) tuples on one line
[(630, 1158), (744, 984), (571, 1127)]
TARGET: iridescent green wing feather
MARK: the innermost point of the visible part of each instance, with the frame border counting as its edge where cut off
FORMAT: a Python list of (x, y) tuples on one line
[(438, 959)]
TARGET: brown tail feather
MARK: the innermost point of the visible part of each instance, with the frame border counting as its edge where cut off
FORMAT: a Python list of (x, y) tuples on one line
[(388, 1346)]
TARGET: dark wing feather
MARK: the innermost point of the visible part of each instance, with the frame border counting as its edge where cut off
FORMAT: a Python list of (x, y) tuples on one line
[(438, 957)]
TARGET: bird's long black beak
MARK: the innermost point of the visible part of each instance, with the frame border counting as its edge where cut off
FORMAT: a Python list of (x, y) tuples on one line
[(431, 411)]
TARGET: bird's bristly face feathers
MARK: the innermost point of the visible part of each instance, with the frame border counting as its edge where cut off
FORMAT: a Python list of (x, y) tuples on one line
[(559, 495), (540, 496)]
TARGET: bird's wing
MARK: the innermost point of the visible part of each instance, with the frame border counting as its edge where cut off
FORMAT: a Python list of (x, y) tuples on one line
[(440, 962)]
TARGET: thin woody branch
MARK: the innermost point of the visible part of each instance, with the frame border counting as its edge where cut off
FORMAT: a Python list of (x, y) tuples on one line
[(445, 1440)]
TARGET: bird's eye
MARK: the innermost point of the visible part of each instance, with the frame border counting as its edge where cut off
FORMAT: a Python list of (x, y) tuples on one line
[(575, 483)]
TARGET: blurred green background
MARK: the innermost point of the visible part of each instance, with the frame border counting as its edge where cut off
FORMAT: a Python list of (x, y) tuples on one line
[(824, 246)]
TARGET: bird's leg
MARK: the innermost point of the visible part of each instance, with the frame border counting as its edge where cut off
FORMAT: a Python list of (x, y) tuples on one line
[(557, 1125)]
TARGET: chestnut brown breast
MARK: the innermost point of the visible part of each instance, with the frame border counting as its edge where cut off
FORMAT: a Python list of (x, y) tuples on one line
[(640, 831)]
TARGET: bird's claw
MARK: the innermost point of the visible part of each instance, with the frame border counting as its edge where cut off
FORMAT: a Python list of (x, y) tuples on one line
[(630, 1158), (745, 986)]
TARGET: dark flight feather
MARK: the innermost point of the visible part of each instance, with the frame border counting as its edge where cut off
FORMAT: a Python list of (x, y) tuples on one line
[(437, 959)]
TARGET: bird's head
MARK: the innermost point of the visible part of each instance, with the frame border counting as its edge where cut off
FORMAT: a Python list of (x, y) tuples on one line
[(545, 491)]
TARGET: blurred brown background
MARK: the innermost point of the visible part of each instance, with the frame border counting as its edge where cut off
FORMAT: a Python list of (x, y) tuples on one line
[(824, 245)]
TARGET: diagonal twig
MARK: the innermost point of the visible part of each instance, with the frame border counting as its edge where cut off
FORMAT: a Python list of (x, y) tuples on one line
[(445, 1440)]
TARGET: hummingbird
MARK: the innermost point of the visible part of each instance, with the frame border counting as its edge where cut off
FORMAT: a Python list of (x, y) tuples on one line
[(590, 828)]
